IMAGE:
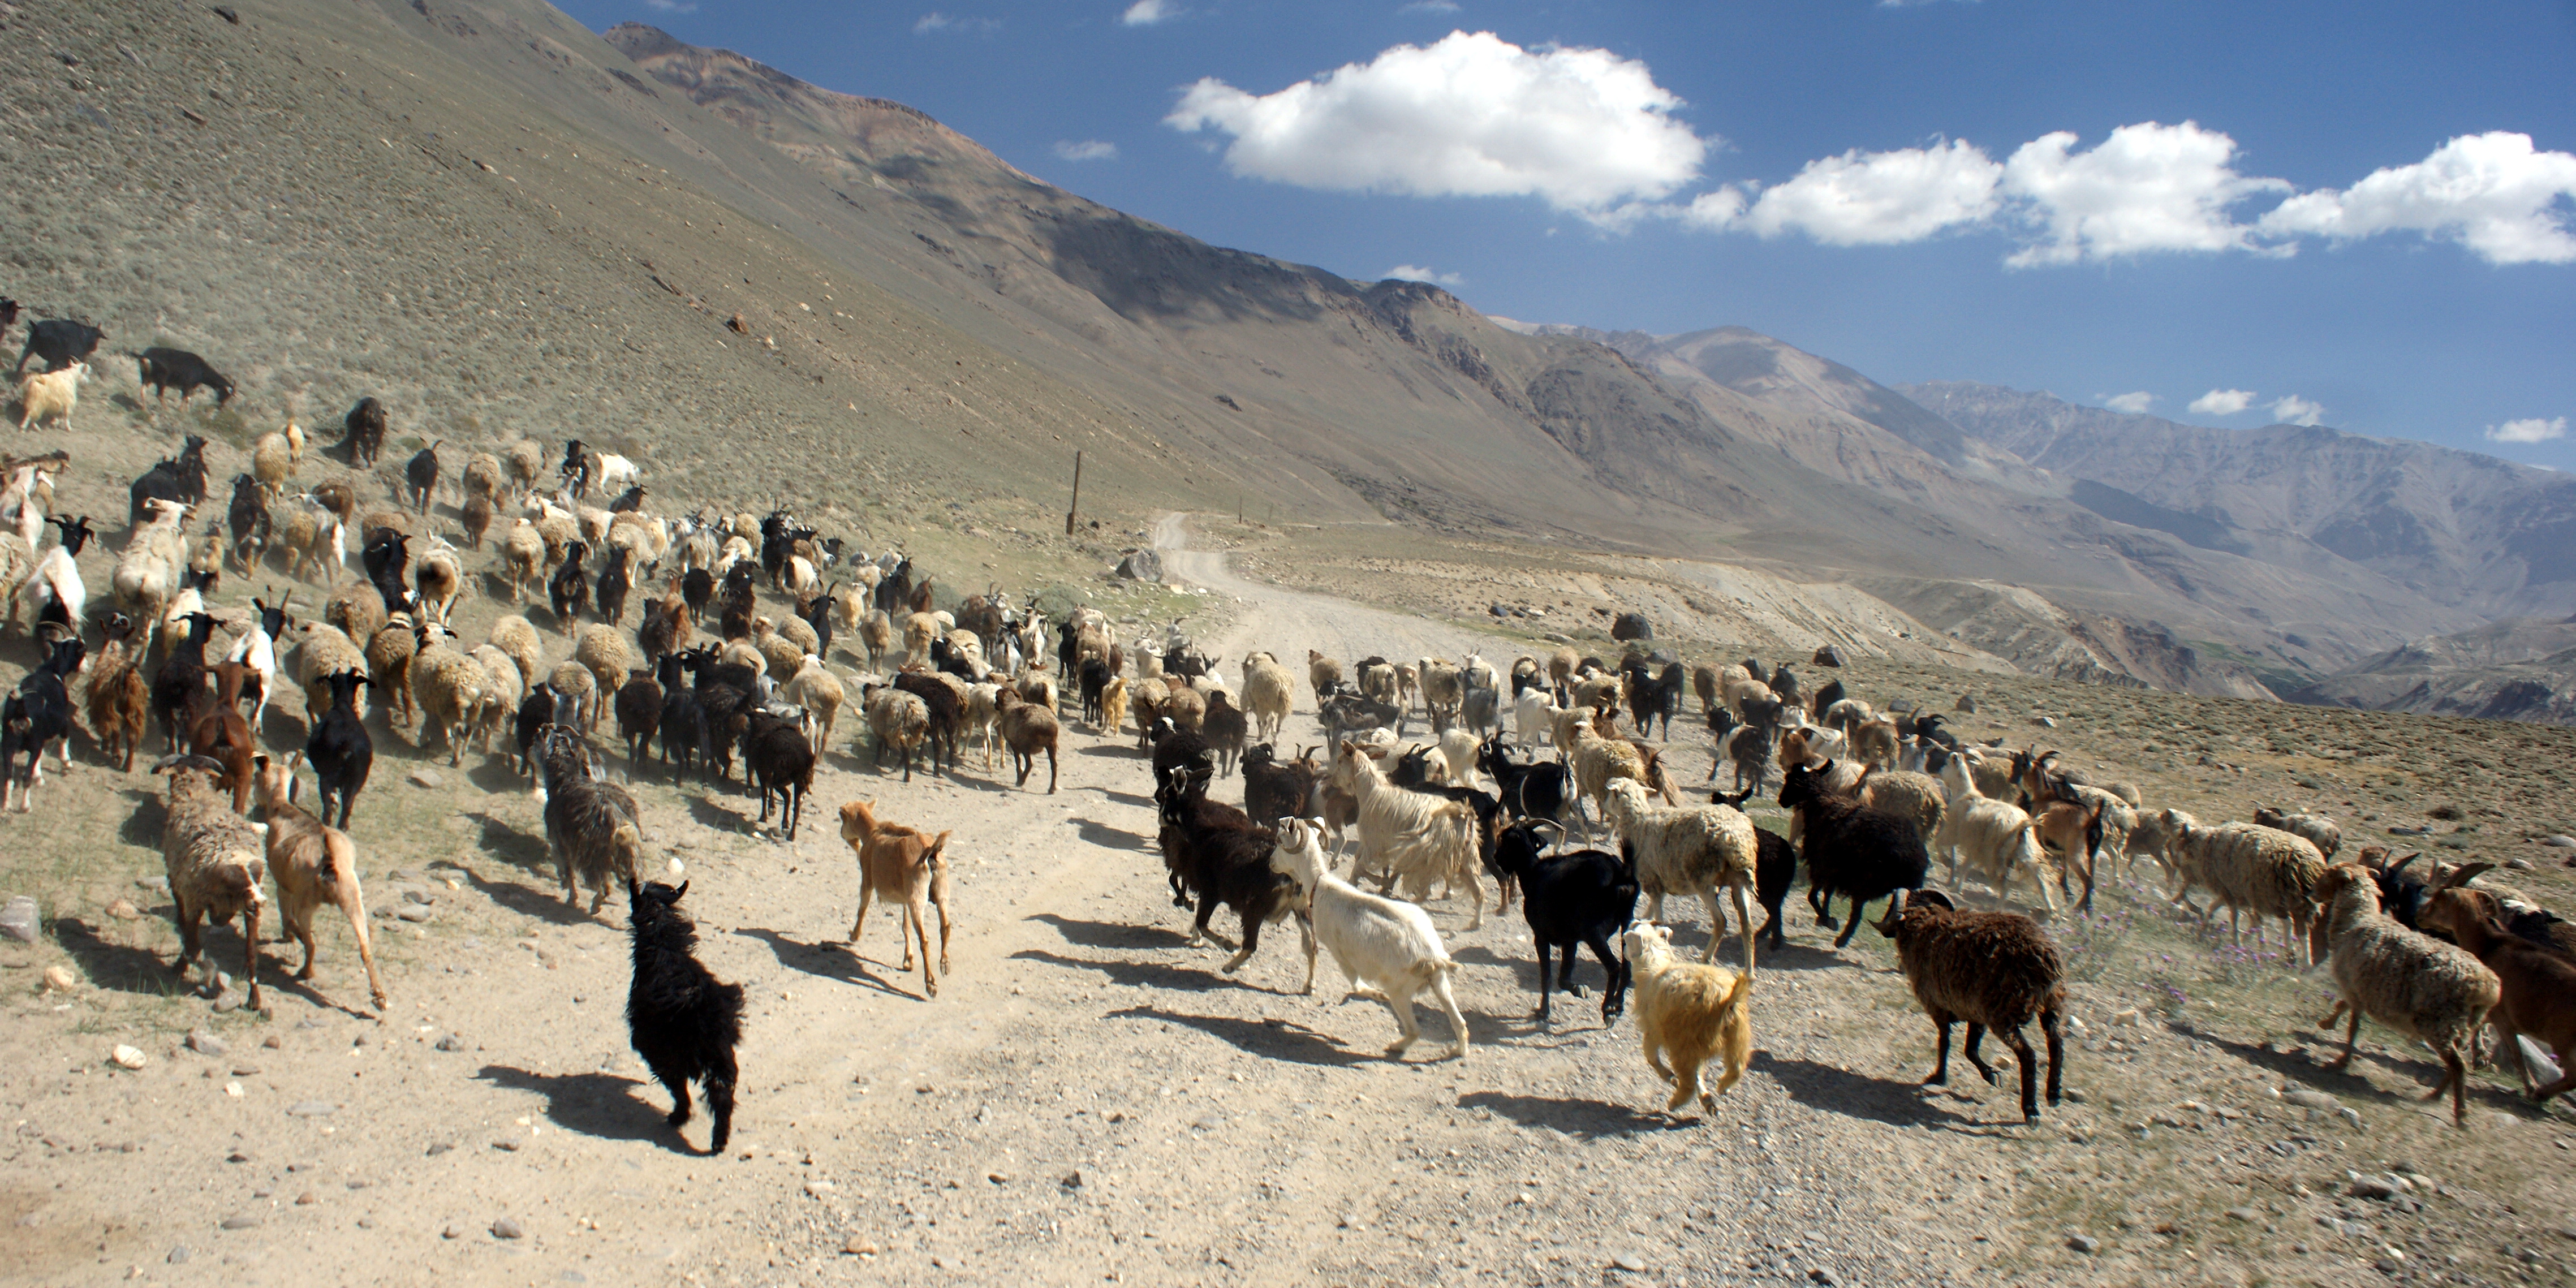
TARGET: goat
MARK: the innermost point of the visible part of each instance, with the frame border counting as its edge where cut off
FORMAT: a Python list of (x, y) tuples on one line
[(37, 712), (1689, 1012), (1027, 728), (1387, 949), (61, 342), (51, 396), (1217, 856), (902, 863), (1993, 970), (1410, 835), (777, 756), (1576, 899), (314, 863), (2538, 982), (362, 432), (1850, 850), (680, 1018), (165, 369), (592, 826), (120, 703)]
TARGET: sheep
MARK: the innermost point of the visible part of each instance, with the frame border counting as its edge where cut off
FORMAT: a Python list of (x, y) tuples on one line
[(314, 864), (876, 633), (420, 477), (1600, 760), (592, 826), (358, 609), (1571, 900), (525, 462), (1850, 850), (578, 692), (904, 864), (1268, 696), (323, 651), (523, 559), (1689, 850), (215, 860), (898, 720), (147, 572), (120, 703), (439, 577), (2437, 993), (51, 396), (517, 638), (313, 534), (504, 689), (2259, 871), (1323, 674), (17, 564), (2538, 982), (1387, 949), (777, 755), (1443, 692), (450, 688), (604, 652), (2317, 828), (1407, 834), (1690, 1012), (681, 1019), (1916, 798), (1992, 970), (390, 653), (272, 462), (37, 712), (1027, 728), (814, 688)]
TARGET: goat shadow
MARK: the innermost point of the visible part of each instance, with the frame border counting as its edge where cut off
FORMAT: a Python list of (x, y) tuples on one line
[(1120, 750), (1093, 833), (130, 969), (1582, 1119), (499, 774), (1274, 1039), (1129, 798), (840, 962), (1898, 1103), (1110, 934), (527, 902), (143, 824), (1145, 974), (527, 851), (601, 1105)]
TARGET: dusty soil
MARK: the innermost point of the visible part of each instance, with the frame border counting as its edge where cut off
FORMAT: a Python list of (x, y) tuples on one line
[(1088, 1099)]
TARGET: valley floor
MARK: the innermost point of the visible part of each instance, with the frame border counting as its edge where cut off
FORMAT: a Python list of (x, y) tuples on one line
[(1088, 1100)]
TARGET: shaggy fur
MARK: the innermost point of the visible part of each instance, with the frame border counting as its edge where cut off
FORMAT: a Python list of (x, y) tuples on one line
[(1916, 798), (1219, 856), (683, 1020), (1691, 849), (2423, 988), (2255, 870), (1413, 836), (1275, 789), (2319, 830), (592, 826), (777, 756), (903, 864), (215, 860), (1688, 1013), (1999, 843), (1993, 970), (2539, 982)]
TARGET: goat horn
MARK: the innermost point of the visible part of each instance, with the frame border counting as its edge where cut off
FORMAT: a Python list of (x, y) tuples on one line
[(2462, 875)]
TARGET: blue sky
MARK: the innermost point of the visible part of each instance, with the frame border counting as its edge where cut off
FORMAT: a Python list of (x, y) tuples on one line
[(2371, 220)]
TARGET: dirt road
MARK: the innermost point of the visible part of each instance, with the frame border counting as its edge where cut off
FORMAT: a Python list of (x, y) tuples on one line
[(1087, 1100)]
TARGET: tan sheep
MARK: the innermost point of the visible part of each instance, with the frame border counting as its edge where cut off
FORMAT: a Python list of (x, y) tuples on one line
[(526, 463), (517, 637), (450, 689), (272, 462), (605, 652), (523, 559), (323, 651), (52, 396), (390, 652), (506, 688)]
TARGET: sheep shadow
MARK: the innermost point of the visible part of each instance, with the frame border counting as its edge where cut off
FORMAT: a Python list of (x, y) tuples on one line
[(706, 813), (1795, 956), (2306, 1070), (1141, 974), (1107, 934), (499, 773), (1273, 1039), (1582, 1119), (527, 851), (839, 962), (143, 824), (1118, 750), (1093, 833), (603, 1106), (127, 968), (1897, 1103)]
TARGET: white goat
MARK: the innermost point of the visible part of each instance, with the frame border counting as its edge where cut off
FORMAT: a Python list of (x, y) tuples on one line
[(1386, 948)]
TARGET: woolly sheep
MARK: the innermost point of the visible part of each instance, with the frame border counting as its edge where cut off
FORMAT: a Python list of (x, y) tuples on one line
[(1992, 970), (605, 652), (323, 651), (2258, 871), (1689, 850), (899, 721), (215, 860), (517, 637), (523, 559), (451, 689), (2319, 830), (2425, 989)]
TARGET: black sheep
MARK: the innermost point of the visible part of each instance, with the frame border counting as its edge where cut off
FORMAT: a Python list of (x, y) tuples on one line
[(37, 712), (420, 477), (779, 757), (362, 431), (60, 342), (1578, 899), (683, 1020), (639, 716), (569, 591), (1851, 850), (181, 478), (340, 750), (168, 369)]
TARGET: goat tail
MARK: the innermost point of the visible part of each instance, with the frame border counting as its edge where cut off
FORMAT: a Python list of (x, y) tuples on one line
[(1737, 994)]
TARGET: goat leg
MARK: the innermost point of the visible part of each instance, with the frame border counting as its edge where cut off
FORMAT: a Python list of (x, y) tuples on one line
[(1251, 941), (250, 947), (2029, 1073), (2049, 1025), (1940, 1055)]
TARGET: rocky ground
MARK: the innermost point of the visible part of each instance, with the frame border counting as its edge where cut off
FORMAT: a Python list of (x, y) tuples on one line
[(1089, 1100)]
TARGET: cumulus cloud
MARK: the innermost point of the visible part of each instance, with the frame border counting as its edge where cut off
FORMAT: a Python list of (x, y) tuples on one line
[(671, 6), (2134, 404), (935, 23), (1470, 115), (2294, 410), (1085, 150), (1871, 198), (2532, 430), (2222, 402), (2148, 187), (1429, 6), (2492, 193), (1145, 13), (1417, 273)]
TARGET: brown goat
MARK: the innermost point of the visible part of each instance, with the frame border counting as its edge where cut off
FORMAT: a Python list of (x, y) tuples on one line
[(901, 863), (2539, 984), (219, 733), (120, 701), (1027, 728), (313, 864)]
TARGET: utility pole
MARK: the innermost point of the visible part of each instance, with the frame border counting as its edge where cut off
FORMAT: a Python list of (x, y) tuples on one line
[(1076, 506)]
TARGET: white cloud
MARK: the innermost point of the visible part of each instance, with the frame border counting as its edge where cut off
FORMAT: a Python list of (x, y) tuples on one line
[(2135, 404), (2294, 410), (2222, 402), (1870, 198), (1145, 13), (935, 23), (2533, 430), (1471, 115), (2148, 187), (671, 6), (1086, 150), (1417, 273), (1429, 6), (2490, 192)]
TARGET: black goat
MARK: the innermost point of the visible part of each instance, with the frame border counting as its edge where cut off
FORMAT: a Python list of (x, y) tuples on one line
[(1092, 677), (580, 466), (1775, 869), (1850, 850), (683, 1020), (420, 477), (1579, 899), (362, 431), (1784, 683), (1825, 698), (947, 716), (168, 369), (1537, 790), (1654, 694), (683, 723), (340, 751), (778, 755), (1226, 728), (1349, 713), (1274, 789), (1217, 856), (629, 501), (249, 521), (387, 559), (528, 726), (569, 591), (60, 342), (639, 716), (697, 590), (817, 613), (181, 478), (37, 712), (615, 583), (1178, 755), (179, 687)]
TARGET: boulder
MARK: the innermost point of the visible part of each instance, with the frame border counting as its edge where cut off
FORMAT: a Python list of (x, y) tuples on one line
[(1141, 565), (1829, 656)]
